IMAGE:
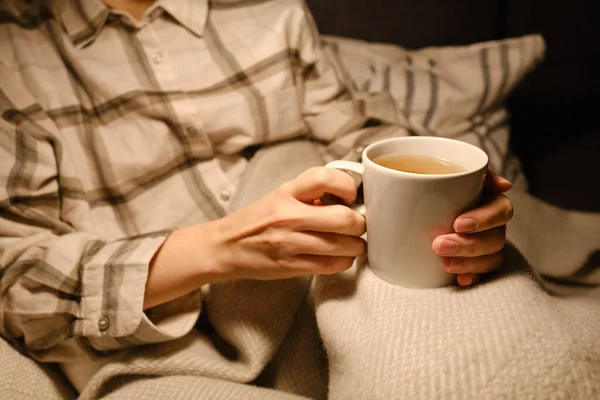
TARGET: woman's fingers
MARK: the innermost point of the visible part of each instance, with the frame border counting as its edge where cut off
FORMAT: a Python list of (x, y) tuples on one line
[(473, 265), (497, 212), (313, 183), (472, 245), (310, 264)]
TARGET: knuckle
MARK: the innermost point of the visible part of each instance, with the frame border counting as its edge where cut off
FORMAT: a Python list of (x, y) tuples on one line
[(469, 247), (484, 264), (285, 188), (355, 247), (286, 263), (362, 247), (500, 236), (278, 242), (346, 263), (499, 258), (282, 213), (496, 261), (508, 208), (362, 223), (280, 195), (348, 218), (470, 264), (329, 243), (337, 264), (322, 176)]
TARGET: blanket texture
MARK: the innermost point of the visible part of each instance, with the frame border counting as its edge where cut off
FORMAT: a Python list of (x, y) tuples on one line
[(517, 335), (529, 331)]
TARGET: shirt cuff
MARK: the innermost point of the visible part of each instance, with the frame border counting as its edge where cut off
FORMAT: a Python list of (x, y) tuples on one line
[(162, 323), (112, 299)]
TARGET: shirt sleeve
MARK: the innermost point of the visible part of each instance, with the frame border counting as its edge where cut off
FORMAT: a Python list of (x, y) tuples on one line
[(67, 295), (336, 116)]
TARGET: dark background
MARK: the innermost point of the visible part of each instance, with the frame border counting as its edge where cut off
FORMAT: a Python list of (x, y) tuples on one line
[(555, 111)]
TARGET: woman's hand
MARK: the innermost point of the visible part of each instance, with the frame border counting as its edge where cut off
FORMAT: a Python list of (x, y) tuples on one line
[(288, 233), (480, 234), (285, 234)]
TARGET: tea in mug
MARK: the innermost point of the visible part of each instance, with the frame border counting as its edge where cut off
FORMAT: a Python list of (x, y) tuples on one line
[(418, 164)]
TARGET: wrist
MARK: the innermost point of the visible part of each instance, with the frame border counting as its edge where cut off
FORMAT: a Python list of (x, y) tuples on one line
[(222, 262), (187, 260), (201, 251)]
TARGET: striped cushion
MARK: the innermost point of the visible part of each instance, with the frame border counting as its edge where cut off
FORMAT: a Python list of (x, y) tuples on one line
[(454, 91)]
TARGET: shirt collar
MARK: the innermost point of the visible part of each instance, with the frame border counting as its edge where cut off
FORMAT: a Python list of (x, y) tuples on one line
[(84, 19), (191, 14)]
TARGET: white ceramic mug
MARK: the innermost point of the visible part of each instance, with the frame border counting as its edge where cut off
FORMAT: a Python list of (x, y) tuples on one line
[(406, 211)]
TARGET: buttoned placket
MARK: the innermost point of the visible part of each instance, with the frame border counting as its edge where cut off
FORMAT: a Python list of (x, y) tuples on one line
[(185, 111)]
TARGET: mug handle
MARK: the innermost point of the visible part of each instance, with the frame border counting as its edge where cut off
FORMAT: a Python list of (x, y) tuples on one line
[(356, 171)]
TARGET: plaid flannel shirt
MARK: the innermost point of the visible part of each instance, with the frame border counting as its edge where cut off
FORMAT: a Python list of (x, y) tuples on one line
[(116, 131)]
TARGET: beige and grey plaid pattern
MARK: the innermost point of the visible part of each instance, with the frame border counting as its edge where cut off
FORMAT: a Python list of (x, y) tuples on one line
[(116, 131)]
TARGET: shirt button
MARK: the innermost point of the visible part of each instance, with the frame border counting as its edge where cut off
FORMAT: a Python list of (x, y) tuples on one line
[(225, 195), (103, 324), (157, 58)]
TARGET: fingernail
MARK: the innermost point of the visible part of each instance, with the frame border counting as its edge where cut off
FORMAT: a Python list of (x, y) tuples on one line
[(503, 180), (468, 281), (466, 225), (447, 248), (457, 265)]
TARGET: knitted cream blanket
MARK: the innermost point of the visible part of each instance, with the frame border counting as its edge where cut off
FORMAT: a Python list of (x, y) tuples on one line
[(509, 337)]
